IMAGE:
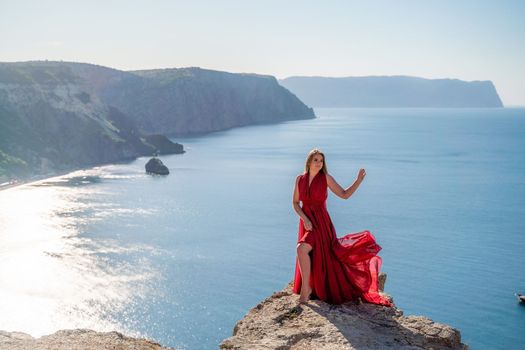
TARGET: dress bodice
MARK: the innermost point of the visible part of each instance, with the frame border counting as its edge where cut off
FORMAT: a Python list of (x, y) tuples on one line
[(316, 193)]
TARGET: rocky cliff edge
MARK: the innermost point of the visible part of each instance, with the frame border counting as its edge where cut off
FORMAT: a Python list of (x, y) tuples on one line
[(279, 322)]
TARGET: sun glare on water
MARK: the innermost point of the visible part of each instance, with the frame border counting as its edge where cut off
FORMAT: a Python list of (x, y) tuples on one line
[(51, 277)]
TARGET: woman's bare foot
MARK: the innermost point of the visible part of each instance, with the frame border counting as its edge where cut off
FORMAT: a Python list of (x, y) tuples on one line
[(305, 295)]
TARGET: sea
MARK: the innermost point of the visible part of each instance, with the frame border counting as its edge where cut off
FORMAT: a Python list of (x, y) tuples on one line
[(181, 258)]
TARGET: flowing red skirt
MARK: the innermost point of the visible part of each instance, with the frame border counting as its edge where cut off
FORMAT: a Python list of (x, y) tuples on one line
[(342, 269)]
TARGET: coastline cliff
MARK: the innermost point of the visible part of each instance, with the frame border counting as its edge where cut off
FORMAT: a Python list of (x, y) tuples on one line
[(192, 101), (60, 116)]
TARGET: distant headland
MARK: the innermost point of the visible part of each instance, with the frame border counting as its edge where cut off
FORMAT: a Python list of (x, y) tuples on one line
[(393, 91)]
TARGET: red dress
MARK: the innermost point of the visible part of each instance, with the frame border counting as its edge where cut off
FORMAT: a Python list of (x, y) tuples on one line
[(342, 269)]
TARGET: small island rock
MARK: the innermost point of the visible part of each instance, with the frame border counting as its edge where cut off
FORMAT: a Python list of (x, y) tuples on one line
[(155, 166)]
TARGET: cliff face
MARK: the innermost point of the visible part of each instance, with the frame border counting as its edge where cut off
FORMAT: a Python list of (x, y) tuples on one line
[(56, 116), (279, 322), (193, 100), (392, 91), (50, 122)]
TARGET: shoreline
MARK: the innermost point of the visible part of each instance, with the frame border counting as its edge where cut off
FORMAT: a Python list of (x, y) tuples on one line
[(18, 183), (40, 177), (10, 184), (36, 178)]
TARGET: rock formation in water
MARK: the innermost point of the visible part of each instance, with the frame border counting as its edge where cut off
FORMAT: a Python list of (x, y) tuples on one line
[(75, 339), (392, 91), (155, 166), (57, 116), (278, 322)]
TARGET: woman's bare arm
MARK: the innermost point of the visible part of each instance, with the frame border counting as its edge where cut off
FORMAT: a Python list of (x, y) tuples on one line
[(297, 207), (341, 192)]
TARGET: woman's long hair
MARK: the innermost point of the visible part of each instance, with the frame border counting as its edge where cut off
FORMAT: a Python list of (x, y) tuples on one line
[(309, 158)]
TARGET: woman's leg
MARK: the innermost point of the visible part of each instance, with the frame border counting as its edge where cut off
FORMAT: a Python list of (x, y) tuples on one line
[(303, 256)]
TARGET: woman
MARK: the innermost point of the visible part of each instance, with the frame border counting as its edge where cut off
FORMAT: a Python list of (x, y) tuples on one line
[(333, 269)]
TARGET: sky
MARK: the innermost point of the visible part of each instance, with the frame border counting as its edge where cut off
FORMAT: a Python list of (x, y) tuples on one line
[(460, 39)]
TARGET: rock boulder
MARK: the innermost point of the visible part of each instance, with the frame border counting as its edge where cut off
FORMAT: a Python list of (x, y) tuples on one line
[(155, 166)]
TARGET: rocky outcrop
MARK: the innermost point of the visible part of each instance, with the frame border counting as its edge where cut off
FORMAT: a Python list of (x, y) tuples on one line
[(76, 339), (155, 166), (392, 91), (279, 322)]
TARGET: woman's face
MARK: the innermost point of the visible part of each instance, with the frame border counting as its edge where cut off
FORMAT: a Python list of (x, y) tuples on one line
[(317, 163)]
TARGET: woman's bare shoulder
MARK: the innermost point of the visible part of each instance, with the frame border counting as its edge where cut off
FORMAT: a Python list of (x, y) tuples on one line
[(329, 178)]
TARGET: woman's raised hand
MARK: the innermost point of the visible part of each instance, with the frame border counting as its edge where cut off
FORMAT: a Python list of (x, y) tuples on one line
[(361, 174)]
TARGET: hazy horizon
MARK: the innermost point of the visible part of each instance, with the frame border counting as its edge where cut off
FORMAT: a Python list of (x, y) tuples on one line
[(467, 40)]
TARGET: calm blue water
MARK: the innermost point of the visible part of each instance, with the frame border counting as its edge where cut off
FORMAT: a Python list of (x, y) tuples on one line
[(181, 258)]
